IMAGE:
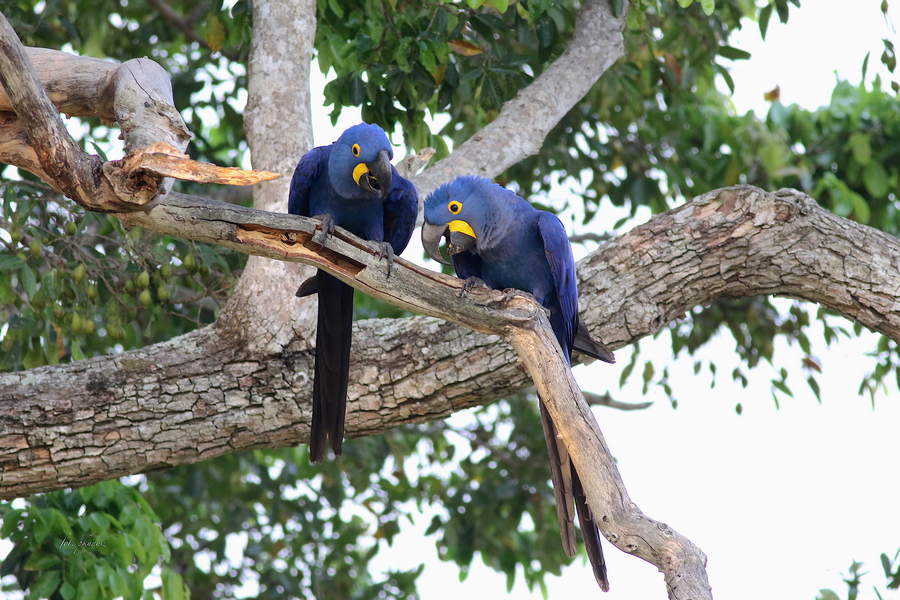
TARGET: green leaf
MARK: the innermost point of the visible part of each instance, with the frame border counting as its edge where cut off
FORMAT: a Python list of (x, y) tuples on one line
[(782, 387), (215, 33), (12, 561), (685, 3), (87, 493), (88, 589), (732, 53), (118, 584), (61, 525), (11, 522), (9, 262), (861, 146), (98, 523), (357, 89), (814, 386), (67, 591), (29, 281), (99, 151), (860, 207), (41, 560), (42, 525), (729, 80), (764, 15), (783, 11), (647, 376), (335, 6), (46, 584), (172, 585), (708, 6), (876, 180)]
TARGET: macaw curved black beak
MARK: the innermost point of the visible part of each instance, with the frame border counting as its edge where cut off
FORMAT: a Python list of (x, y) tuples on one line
[(457, 241), (375, 176)]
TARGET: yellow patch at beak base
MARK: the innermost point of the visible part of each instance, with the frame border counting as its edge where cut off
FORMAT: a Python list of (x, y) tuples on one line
[(360, 170), (462, 227)]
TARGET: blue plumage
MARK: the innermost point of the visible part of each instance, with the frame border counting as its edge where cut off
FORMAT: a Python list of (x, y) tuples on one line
[(350, 184), (501, 239)]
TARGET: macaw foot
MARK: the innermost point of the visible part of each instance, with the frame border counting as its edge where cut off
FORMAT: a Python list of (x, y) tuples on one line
[(470, 284), (385, 251), (327, 230)]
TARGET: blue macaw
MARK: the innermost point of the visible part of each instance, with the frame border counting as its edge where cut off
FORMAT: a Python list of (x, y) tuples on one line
[(350, 184), (497, 238)]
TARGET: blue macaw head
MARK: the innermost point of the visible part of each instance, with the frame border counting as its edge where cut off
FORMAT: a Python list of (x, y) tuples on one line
[(360, 162), (472, 212)]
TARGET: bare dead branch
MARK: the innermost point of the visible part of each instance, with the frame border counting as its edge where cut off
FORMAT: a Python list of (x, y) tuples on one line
[(136, 94), (164, 160), (608, 401), (60, 158)]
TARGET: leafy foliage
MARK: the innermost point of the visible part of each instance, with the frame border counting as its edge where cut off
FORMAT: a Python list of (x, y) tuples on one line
[(855, 574), (100, 542), (294, 520), (77, 284), (403, 62)]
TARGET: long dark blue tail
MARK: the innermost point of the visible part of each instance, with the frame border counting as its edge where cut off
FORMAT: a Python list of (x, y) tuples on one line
[(332, 370), (570, 495), (566, 483)]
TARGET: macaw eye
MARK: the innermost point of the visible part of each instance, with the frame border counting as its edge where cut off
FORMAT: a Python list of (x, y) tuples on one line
[(355, 149), (454, 207)]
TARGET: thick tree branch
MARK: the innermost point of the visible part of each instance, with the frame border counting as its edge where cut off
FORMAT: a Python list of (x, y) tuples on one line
[(740, 242), (212, 392)]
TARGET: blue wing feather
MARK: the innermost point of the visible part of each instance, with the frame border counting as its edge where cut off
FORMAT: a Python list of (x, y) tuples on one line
[(562, 265), (304, 175), (400, 209)]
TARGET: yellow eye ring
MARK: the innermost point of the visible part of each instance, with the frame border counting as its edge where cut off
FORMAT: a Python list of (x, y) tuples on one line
[(355, 149), (454, 207)]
